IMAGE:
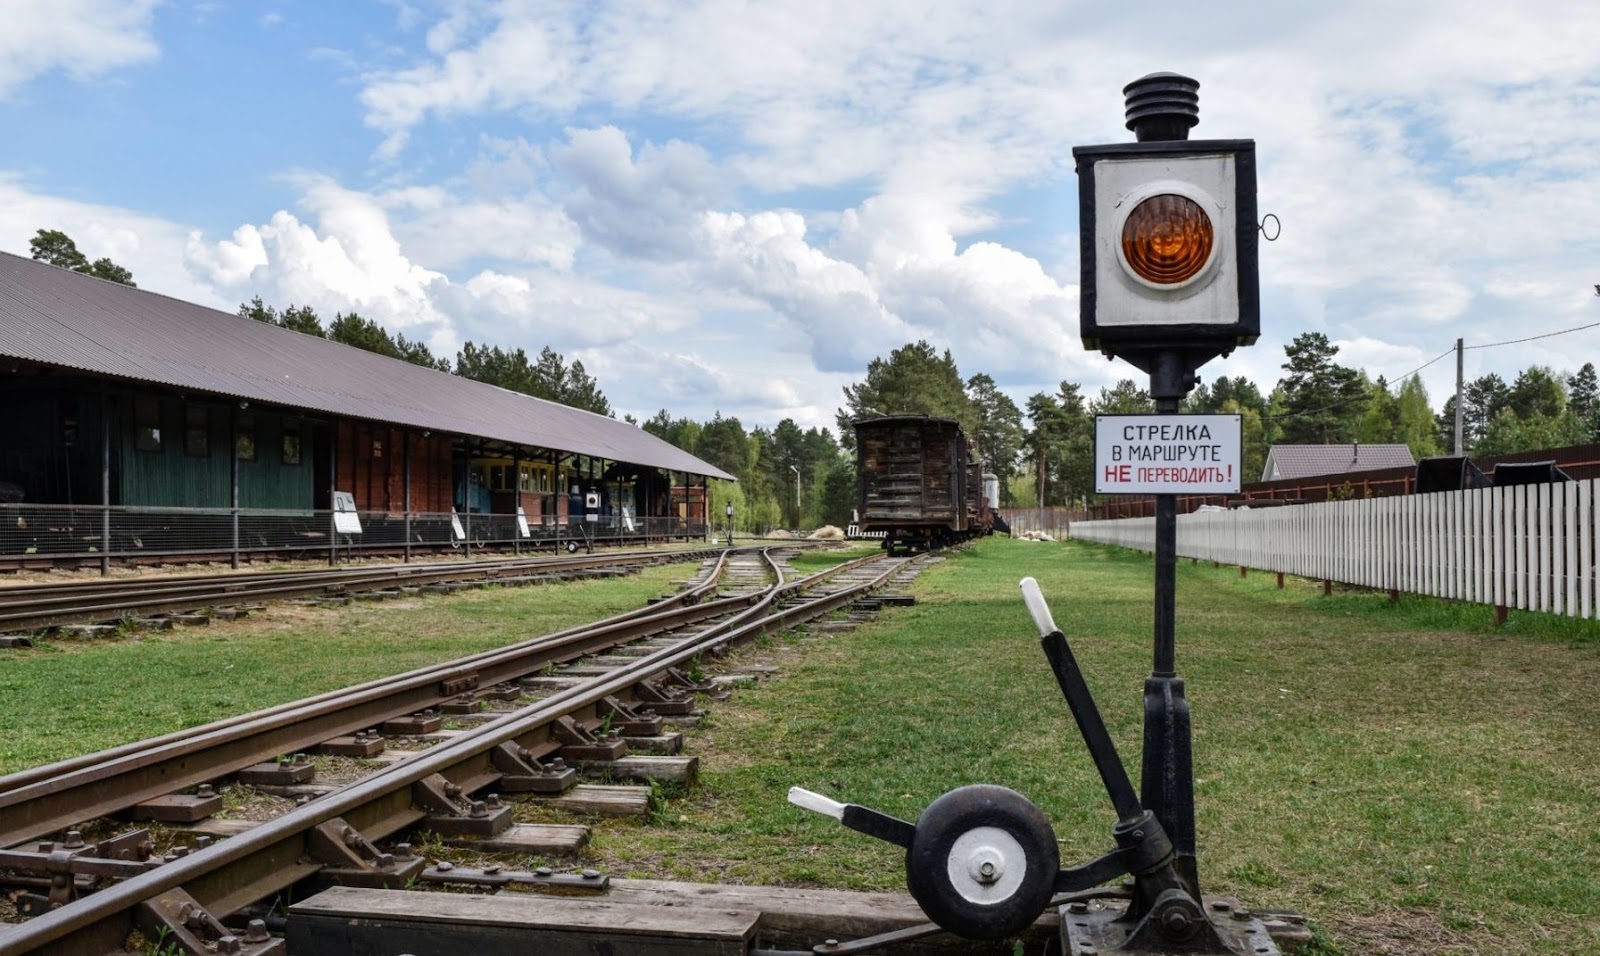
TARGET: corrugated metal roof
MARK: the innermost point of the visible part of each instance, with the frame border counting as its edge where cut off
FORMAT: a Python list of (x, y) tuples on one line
[(58, 317), (1309, 461)]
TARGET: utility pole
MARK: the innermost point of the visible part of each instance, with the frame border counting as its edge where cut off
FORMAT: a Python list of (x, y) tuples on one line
[(1461, 448)]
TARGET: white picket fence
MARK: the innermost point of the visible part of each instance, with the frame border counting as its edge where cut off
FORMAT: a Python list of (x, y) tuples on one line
[(1530, 547)]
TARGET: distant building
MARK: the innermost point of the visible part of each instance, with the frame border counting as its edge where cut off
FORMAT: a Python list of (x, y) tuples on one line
[(1314, 461)]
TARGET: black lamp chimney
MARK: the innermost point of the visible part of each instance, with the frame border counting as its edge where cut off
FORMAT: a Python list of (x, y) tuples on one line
[(1162, 106)]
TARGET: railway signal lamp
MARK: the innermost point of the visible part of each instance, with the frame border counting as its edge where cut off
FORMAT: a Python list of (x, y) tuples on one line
[(1167, 234)]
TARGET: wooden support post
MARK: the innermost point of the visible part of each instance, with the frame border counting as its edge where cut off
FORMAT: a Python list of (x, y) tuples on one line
[(1327, 587), (1280, 580), (1394, 596), (1501, 612), (1243, 571)]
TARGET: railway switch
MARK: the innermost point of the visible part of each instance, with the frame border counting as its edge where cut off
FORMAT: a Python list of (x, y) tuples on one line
[(982, 860)]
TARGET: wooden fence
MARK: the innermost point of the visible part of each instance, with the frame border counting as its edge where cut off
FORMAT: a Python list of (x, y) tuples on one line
[(1530, 547), (1053, 520)]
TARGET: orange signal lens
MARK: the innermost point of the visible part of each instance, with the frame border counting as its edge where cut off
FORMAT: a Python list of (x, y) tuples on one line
[(1167, 239)]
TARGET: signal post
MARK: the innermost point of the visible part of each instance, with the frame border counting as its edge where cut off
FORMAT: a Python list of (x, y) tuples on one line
[(1168, 241), (1167, 234)]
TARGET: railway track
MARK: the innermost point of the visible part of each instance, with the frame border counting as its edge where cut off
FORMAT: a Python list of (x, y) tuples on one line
[(31, 607), (532, 714)]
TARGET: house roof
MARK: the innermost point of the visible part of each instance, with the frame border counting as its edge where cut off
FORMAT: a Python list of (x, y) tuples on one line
[(1310, 461), (58, 317)]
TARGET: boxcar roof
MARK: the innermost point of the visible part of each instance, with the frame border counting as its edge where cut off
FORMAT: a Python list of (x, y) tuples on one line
[(884, 419), (57, 317)]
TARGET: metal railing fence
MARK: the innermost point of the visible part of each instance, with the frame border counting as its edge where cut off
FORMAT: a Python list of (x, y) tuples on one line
[(1530, 547), (43, 534)]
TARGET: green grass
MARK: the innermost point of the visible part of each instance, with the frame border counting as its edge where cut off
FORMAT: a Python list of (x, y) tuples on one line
[(1413, 779), (68, 697)]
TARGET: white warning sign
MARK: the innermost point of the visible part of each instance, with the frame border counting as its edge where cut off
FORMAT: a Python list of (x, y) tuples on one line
[(1167, 454)]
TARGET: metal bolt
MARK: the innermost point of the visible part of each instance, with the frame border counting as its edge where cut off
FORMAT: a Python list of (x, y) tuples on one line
[(492, 869), (591, 874), (402, 851), (383, 861), (206, 790), (542, 871), (47, 846), (493, 801), (452, 790), (74, 840), (1241, 914), (1221, 906), (256, 931), (230, 944), (1176, 922), (201, 842), (445, 866), (1078, 907), (479, 808)]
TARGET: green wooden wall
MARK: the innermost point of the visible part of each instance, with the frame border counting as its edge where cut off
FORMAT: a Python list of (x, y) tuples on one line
[(173, 477)]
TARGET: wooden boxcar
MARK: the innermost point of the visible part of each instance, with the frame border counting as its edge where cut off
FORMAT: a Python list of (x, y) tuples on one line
[(917, 483)]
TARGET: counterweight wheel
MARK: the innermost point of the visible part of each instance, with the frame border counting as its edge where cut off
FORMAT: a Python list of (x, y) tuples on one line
[(983, 862)]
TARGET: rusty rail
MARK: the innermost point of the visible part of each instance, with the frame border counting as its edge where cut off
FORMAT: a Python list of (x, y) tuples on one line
[(275, 855), (25, 607)]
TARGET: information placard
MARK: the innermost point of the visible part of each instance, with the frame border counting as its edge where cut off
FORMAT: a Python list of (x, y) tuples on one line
[(1167, 454), (345, 518)]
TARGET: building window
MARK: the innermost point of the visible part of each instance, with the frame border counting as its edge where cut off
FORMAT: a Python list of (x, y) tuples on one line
[(535, 478), (291, 442), (244, 442), (377, 448), (147, 423), (196, 434)]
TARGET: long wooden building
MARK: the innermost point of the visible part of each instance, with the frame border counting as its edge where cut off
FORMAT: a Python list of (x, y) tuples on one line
[(122, 398)]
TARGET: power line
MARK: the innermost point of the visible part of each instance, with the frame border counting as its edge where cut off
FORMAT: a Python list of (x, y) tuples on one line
[(1486, 345), (1490, 345), (1357, 398)]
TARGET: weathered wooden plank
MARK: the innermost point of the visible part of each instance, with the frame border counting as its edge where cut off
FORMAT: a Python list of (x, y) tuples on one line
[(551, 838), (603, 800), (345, 920)]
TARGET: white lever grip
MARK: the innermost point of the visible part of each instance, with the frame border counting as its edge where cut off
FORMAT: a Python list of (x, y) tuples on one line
[(1034, 599), (816, 803)]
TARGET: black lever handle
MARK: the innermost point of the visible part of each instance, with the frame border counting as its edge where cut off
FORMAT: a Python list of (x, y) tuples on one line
[(1084, 711)]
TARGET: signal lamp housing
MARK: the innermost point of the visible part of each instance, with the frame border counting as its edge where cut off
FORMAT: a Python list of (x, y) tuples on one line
[(1168, 247)]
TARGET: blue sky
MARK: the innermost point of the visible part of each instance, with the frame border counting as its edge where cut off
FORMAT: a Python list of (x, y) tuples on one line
[(729, 205)]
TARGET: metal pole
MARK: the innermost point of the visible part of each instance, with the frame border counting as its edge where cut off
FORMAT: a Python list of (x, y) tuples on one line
[(233, 478), (333, 485), (1460, 409), (105, 481), (407, 480), (1167, 785), (516, 497)]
